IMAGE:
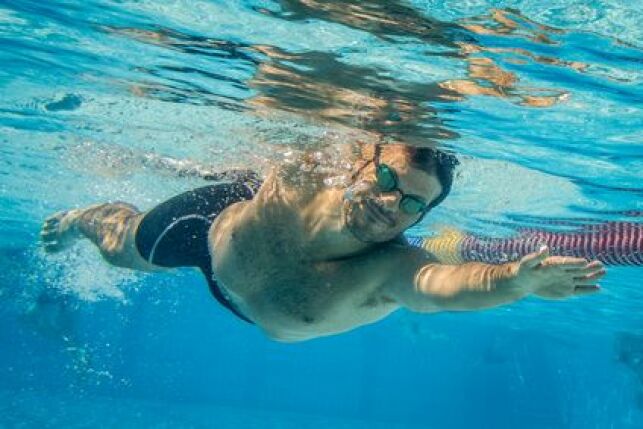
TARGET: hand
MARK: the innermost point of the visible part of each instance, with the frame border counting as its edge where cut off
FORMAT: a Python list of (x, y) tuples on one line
[(558, 277)]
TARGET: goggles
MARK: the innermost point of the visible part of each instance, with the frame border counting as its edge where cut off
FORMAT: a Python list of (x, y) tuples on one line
[(387, 181)]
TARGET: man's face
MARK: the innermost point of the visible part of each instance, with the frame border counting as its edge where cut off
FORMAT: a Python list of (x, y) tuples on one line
[(374, 215)]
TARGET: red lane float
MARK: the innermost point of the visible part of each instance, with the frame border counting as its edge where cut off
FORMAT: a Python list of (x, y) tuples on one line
[(613, 243)]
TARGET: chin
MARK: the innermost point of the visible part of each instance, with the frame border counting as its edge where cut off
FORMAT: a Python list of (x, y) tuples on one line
[(367, 231), (381, 237)]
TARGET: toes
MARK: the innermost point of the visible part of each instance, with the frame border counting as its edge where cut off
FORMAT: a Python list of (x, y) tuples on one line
[(52, 246), (48, 235), (56, 217), (50, 225), (49, 230)]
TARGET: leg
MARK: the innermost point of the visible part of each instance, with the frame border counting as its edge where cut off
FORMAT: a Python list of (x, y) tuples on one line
[(111, 227), (173, 234)]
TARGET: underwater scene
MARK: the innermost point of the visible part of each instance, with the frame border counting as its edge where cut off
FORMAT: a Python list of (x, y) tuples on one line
[(138, 101)]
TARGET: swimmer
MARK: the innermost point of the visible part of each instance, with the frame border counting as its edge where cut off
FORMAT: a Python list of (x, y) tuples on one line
[(302, 259)]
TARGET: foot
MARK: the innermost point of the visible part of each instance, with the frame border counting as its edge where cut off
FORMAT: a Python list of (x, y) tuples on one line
[(58, 231)]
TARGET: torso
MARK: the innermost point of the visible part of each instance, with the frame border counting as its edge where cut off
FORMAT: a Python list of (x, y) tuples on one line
[(262, 256)]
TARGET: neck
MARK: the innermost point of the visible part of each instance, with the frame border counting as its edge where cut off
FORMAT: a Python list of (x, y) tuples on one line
[(327, 233)]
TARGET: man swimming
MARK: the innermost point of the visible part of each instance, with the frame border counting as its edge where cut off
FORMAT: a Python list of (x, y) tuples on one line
[(303, 256)]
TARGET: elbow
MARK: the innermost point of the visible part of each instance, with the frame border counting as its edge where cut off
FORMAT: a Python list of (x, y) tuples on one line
[(420, 303)]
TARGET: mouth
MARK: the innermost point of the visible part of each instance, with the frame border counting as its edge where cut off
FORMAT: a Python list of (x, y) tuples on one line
[(377, 213)]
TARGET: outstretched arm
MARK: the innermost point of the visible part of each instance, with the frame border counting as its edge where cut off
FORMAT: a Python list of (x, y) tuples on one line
[(472, 286)]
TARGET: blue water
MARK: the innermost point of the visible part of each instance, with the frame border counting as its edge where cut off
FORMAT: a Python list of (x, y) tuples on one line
[(542, 104)]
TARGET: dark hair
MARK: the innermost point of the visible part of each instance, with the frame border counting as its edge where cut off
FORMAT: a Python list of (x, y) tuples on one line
[(434, 161)]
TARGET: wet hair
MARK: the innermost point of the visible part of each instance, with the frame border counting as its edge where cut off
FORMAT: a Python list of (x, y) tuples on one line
[(434, 161)]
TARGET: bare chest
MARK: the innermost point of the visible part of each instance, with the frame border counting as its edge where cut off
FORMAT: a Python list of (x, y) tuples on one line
[(291, 297), (298, 302)]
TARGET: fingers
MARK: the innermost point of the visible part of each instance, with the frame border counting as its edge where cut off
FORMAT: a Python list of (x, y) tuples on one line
[(562, 277), (586, 290), (586, 285), (590, 274), (593, 264), (593, 270), (589, 279), (534, 259), (581, 265), (573, 264), (580, 269), (566, 262)]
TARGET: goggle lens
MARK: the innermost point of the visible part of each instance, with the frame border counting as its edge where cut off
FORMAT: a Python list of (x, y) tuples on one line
[(412, 205), (386, 178)]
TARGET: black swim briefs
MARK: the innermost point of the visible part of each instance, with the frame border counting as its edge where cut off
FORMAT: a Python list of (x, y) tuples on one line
[(175, 233)]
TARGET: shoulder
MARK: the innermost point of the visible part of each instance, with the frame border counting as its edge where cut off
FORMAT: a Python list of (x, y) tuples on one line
[(402, 256)]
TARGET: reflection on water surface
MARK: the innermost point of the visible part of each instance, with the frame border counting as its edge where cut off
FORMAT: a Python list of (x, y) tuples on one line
[(332, 88)]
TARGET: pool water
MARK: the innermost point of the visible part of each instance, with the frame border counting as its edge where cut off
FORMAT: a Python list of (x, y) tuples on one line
[(104, 100)]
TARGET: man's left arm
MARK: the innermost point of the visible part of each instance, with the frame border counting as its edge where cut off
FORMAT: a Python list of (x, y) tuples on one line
[(424, 286)]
